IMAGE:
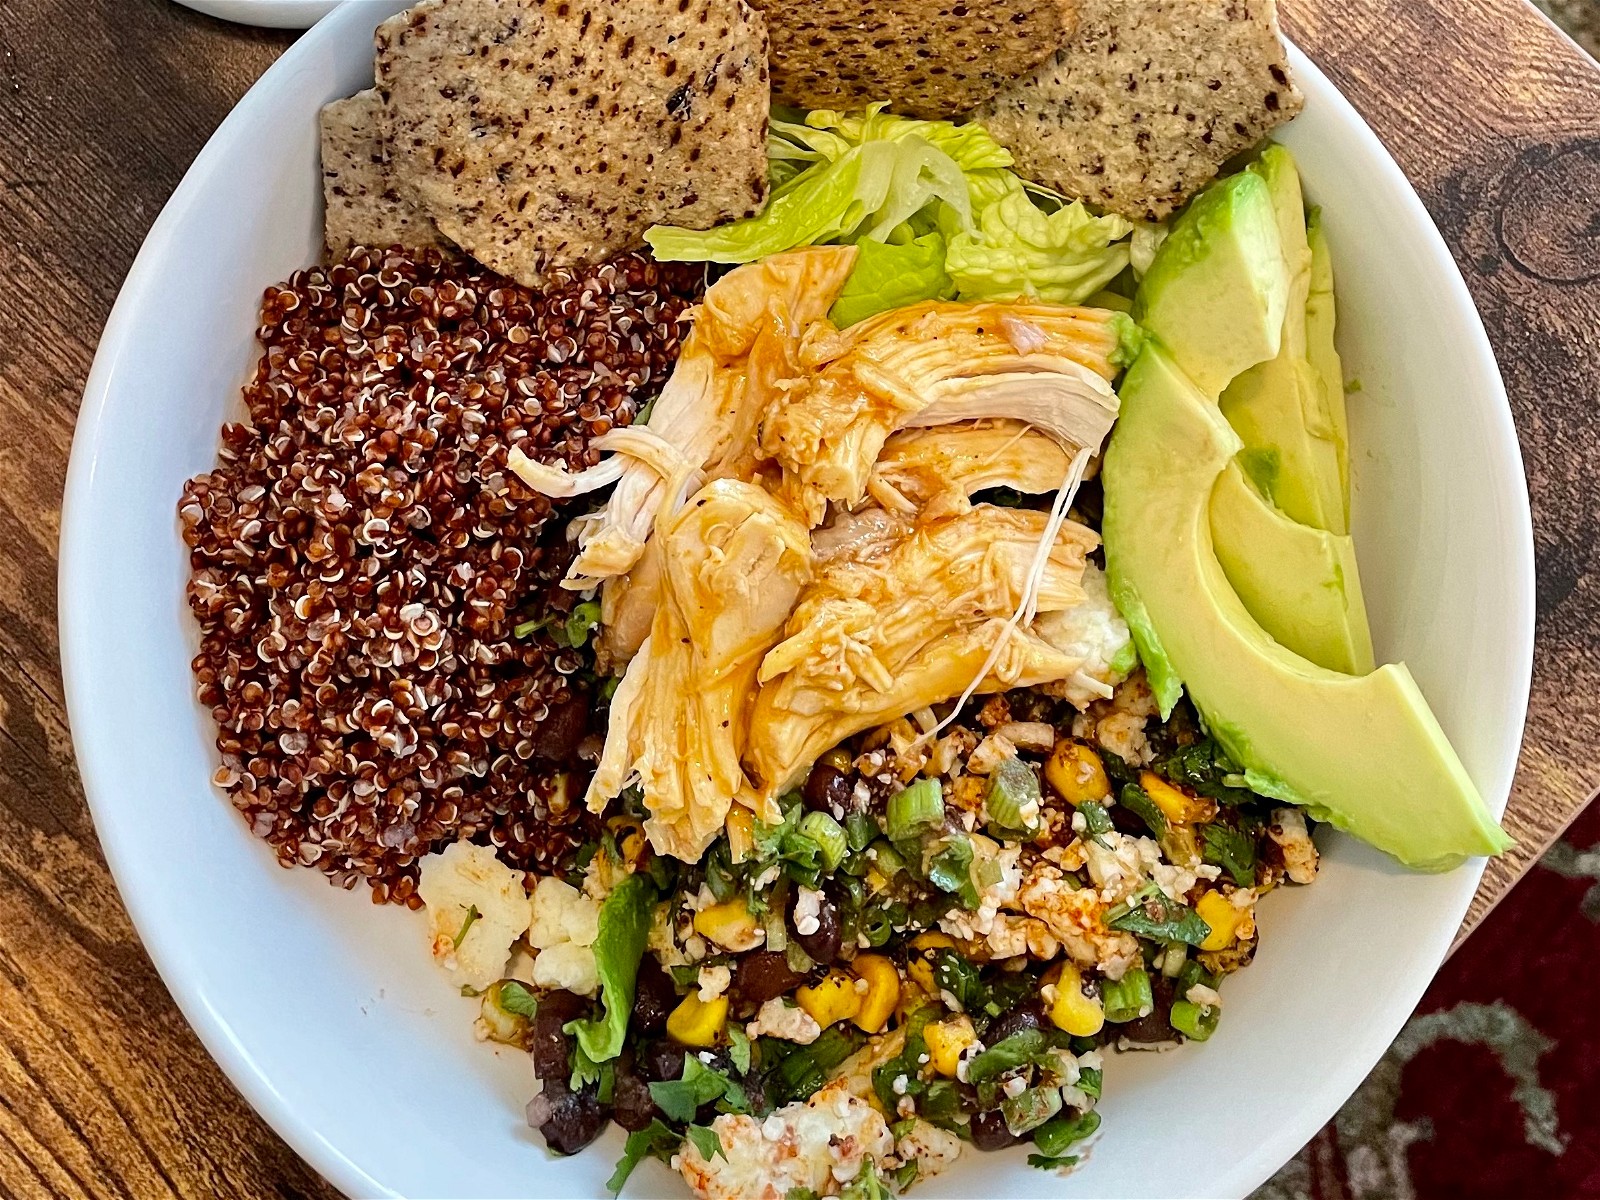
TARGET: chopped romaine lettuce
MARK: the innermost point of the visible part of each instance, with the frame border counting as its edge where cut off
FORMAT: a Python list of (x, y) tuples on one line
[(934, 205), (624, 927), (890, 276), (1019, 250)]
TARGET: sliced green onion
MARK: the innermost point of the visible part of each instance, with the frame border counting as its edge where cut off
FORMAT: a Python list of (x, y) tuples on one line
[(1195, 1021), (799, 961), (830, 838), (777, 929), (859, 830), (915, 809), (1030, 1109), (1172, 962), (1012, 807), (1096, 819), (1054, 1137), (887, 858), (950, 870), (1128, 998), (875, 926)]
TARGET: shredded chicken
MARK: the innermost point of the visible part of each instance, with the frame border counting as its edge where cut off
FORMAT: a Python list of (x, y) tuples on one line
[(733, 562), (935, 470), (873, 640), (741, 350), (934, 364)]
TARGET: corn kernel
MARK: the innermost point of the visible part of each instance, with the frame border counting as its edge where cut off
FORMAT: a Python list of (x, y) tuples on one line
[(1071, 1010), (1075, 772), (917, 964), (1217, 911), (832, 999), (883, 991), (729, 925), (697, 1022), (946, 1040), (1176, 805)]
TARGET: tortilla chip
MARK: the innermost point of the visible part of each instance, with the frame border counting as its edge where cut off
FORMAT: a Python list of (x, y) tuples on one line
[(1147, 101), (927, 58), (550, 133), (361, 205)]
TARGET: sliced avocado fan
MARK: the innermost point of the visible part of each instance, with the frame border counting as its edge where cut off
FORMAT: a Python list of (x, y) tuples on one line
[(1362, 752), (1301, 584), (1282, 407)]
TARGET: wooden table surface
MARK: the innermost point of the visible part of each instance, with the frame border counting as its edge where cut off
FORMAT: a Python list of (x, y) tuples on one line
[(104, 1092)]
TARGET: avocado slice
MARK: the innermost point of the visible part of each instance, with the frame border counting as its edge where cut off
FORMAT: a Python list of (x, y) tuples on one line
[(1321, 353), (1301, 584), (1362, 752), (1218, 288), (1280, 408)]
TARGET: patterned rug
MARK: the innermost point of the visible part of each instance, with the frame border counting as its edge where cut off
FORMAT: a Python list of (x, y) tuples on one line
[(1492, 1090)]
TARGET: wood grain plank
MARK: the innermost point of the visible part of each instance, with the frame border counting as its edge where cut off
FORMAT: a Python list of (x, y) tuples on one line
[(104, 1091)]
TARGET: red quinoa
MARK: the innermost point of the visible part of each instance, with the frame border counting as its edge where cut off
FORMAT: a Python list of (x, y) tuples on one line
[(360, 554)]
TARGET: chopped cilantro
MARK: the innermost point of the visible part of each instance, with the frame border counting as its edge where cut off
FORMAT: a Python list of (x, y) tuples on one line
[(1232, 850), (950, 869), (1150, 914), (706, 1141), (739, 1048), (516, 998), (655, 1140), (1137, 801), (679, 1099), (1048, 1162), (956, 975)]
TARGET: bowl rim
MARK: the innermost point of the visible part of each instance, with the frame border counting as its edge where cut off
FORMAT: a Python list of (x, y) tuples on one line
[(95, 747)]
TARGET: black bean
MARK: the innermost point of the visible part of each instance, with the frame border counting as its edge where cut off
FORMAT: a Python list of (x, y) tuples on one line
[(761, 976), (653, 999), (1157, 1026), (823, 943), (989, 1131), (631, 1104), (660, 1061), (576, 1119), (550, 1046), (829, 790), (1027, 1015)]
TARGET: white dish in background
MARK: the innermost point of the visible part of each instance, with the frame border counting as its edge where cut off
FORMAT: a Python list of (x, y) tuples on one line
[(269, 14), (326, 1011)]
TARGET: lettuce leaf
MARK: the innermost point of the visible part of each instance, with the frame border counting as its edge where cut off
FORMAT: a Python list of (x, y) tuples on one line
[(625, 918), (889, 275), (1018, 250), (826, 134), (934, 205), (865, 193)]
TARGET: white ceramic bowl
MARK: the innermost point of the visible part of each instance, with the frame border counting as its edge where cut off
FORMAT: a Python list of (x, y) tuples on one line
[(271, 14), (325, 1010)]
